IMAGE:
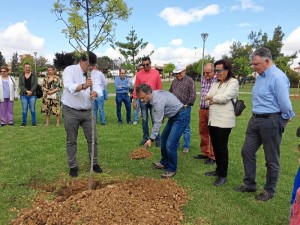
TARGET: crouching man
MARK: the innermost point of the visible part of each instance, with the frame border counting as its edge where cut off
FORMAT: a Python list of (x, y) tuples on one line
[(165, 104)]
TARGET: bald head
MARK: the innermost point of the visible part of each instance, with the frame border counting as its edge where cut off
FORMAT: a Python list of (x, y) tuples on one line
[(208, 71)]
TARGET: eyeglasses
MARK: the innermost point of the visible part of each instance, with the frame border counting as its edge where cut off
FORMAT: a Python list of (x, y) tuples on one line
[(219, 71), (3, 71), (144, 65)]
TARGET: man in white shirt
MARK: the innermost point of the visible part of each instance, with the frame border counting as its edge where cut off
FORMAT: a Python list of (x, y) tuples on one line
[(99, 101), (77, 101)]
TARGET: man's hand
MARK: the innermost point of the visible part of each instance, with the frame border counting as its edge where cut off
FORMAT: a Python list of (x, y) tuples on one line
[(93, 94), (134, 104), (88, 82), (148, 143)]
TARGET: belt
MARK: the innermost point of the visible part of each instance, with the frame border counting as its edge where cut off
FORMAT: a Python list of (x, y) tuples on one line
[(81, 110), (265, 115), (122, 93), (204, 108)]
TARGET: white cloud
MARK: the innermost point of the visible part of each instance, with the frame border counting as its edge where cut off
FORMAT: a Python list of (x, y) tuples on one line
[(17, 38), (247, 5), (221, 49), (244, 25), (176, 16), (292, 45), (176, 42)]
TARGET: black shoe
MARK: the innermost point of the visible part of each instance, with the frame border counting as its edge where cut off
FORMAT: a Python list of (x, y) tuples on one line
[(97, 168), (200, 157), (220, 181), (143, 142), (210, 162), (23, 125), (103, 124), (129, 122), (11, 124), (74, 172), (210, 174), (2, 125), (34, 124), (157, 144), (120, 123), (244, 188), (264, 196)]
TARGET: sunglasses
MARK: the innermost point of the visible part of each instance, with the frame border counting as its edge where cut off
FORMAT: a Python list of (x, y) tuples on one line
[(219, 71), (3, 71), (144, 65)]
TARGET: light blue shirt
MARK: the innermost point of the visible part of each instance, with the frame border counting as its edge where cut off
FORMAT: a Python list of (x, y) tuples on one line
[(270, 93), (122, 85)]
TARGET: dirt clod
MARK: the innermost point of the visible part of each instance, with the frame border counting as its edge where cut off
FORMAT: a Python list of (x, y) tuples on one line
[(140, 201), (140, 153)]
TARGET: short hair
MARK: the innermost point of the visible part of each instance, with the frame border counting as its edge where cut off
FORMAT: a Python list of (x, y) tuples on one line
[(122, 69), (227, 66), (5, 68), (92, 58), (51, 67), (146, 58), (144, 88), (262, 52)]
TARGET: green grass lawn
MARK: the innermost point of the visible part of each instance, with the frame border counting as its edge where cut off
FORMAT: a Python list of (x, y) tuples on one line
[(36, 155)]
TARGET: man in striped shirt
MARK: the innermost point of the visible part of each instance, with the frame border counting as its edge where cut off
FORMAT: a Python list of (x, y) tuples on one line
[(207, 152)]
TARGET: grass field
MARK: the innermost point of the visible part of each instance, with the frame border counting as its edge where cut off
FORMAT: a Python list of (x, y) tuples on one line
[(36, 155)]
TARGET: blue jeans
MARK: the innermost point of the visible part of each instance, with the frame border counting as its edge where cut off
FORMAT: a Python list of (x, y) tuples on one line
[(170, 139), (28, 101), (145, 116), (136, 111), (187, 133), (99, 104), (123, 97)]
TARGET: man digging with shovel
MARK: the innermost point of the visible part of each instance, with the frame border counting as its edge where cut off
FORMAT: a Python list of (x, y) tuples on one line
[(165, 104)]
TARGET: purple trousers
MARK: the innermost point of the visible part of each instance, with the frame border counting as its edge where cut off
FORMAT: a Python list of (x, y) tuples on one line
[(6, 111)]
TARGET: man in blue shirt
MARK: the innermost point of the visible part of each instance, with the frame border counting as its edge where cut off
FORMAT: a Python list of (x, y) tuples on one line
[(272, 109), (122, 85)]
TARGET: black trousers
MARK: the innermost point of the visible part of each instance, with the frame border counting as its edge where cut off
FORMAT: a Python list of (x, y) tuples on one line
[(219, 139)]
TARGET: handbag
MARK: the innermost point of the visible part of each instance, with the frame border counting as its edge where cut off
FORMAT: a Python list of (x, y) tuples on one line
[(238, 107), (52, 96), (39, 91)]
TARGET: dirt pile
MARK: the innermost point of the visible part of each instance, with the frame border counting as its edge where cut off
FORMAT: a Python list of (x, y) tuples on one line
[(140, 153), (141, 201)]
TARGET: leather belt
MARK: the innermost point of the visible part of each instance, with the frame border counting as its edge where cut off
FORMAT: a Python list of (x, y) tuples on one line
[(205, 108), (265, 115)]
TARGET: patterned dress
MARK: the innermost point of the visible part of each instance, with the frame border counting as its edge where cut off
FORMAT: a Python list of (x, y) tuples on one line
[(51, 106)]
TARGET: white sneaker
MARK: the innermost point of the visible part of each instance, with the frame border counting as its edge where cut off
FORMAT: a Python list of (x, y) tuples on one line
[(186, 150), (134, 123)]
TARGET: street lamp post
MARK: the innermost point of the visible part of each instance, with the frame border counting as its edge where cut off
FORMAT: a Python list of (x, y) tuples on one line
[(35, 62), (204, 37)]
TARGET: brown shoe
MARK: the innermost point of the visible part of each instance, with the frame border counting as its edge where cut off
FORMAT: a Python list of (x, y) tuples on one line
[(244, 188), (264, 196)]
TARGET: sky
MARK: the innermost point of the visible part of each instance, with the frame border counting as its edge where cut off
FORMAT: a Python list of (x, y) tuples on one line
[(172, 28)]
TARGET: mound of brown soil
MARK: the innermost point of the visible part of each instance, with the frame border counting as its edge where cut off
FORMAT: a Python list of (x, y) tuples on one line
[(141, 201), (140, 153)]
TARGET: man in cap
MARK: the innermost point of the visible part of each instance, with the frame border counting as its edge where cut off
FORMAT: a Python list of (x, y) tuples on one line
[(184, 88)]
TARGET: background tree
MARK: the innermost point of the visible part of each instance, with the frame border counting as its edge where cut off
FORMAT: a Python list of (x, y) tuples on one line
[(14, 64), (105, 63), (62, 60), (169, 69), (90, 22), (2, 60), (131, 49), (241, 67), (41, 64)]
